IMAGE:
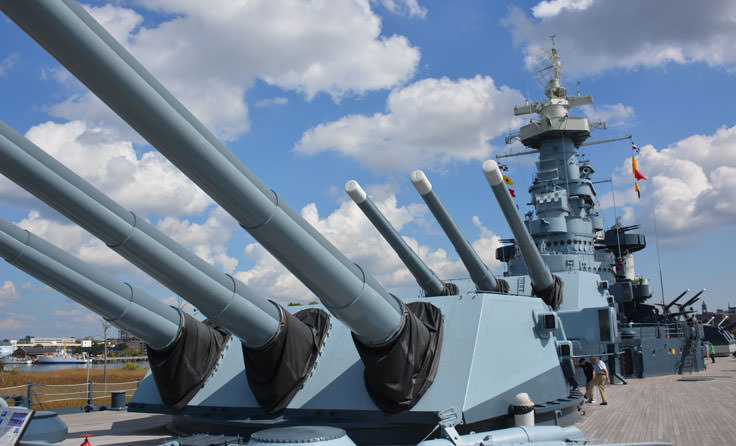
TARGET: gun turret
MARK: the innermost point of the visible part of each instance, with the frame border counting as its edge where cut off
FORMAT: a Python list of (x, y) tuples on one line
[(376, 318), (73, 37), (182, 351), (692, 300), (480, 274), (250, 317), (666, 308), (544, 284), (427, 280), (258, 323)]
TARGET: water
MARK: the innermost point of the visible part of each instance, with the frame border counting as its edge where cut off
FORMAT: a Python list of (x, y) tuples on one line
[(52, 367)]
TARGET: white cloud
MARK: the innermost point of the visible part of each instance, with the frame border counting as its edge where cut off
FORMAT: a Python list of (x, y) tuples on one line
[(486, 245), (178, 302), (72, 239), (616, 115), (14, 321), (427, 123), (691, 185), (403, 7), (351, 232), (209, 54), (144, 184), (206, 240), (68, 313), (8, 293), (270, 102), (552, 8), (69, 321), (596, 35), (8, 63)]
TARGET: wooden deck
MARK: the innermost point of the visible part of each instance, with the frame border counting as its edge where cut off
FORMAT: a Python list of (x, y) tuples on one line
[(665, 408), (668, 409)]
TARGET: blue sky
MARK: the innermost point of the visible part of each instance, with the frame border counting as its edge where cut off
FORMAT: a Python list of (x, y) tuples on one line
[(312, 94)]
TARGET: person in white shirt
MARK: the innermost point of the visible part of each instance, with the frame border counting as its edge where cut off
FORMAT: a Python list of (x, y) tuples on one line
[(600, 378)]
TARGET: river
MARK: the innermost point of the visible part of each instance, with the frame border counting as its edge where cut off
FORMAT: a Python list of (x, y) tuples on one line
[(51, 367)]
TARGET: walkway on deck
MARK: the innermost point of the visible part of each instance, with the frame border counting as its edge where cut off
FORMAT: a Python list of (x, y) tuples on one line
[(652, 409), (666, 408)]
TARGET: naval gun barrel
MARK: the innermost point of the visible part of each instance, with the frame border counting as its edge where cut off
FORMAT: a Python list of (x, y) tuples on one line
[(543, 282), (692, 300), (74, 38), (479, 273), (427, 280), (667, 307), (219, 296), (121, 304), (182, 351), (267, 331)]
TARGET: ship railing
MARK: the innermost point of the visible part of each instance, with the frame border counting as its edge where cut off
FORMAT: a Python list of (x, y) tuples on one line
[(57, 396), (669, 329)]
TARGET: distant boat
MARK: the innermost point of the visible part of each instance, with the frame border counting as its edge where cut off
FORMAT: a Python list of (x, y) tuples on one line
[(13, 360), (60, 356)]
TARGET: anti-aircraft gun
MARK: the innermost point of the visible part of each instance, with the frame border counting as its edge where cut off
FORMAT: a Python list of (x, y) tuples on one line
[(385, 370), (666, 307), (689, 302)]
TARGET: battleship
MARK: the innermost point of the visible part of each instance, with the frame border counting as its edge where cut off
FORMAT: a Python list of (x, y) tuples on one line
[(362, 365), (604, 311)]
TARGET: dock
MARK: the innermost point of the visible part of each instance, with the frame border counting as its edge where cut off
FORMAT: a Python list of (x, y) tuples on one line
[(689, 409)]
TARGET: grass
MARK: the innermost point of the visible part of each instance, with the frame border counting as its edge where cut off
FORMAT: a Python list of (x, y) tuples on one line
[(70, 386)]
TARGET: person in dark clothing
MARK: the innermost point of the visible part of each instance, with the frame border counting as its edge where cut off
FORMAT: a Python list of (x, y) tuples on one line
[(588, 370)]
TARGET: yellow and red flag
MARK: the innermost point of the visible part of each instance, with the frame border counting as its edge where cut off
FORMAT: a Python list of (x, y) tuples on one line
[(635, 169), (509, 182)]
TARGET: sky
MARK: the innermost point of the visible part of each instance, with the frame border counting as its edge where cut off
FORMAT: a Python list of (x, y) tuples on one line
[(311, 94)]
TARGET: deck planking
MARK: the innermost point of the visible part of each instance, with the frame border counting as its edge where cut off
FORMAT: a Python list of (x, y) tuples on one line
[(665, 408), (652, 409)]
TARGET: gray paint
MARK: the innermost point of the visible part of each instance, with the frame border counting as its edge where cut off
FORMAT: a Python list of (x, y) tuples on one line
[(482, 277), (427, 280), (539, 273), (119, 303), (72, 36), (219, 296), (502, 353)]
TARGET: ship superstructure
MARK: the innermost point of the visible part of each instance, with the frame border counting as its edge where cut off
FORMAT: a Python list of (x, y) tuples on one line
[(602, 292)]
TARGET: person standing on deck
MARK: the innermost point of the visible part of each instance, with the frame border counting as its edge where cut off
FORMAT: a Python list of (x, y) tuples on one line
[(600, 377), (712, 354), (589, 373)]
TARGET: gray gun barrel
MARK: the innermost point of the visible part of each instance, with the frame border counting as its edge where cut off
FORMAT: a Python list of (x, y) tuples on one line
[(480, 274), (427, 280), (675, 300), (692, 299), (119, 303), (221, 297), (74, 38), (539, 273)]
